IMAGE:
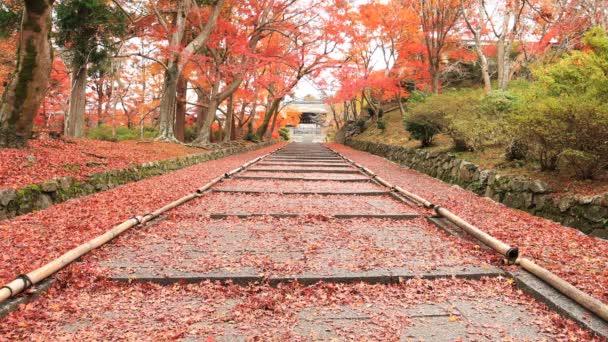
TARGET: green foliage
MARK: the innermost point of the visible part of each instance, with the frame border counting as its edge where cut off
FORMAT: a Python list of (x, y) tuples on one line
[(360, 123), (190, 133), (87, 28), (424, 131), (470, 119), (218, 135), (564, 115), (104, 133), (9, 20), (417, 97), (584, 164), (381, 125), (253, 137), (284, 133)]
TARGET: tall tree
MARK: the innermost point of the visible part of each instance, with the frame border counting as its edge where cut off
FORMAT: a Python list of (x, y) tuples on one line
[(24, 94), (474, 16), (87, 29), (437, 18), (179, 56)]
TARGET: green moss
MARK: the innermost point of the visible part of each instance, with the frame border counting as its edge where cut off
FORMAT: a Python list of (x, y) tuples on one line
[(24, 77)]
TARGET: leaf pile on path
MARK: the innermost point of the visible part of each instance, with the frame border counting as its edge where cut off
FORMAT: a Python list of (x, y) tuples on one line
[(572, 255), (47, 158), (312, 245), (31, 240), (98, 310)]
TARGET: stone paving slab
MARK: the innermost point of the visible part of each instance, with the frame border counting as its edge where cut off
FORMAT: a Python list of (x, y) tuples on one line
[(303, 164), (298, 186), (297, 192), (304, 177), (308, 250), (304, 170), (342, 205)]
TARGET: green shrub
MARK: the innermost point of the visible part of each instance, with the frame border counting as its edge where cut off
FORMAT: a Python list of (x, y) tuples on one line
[(284, 133), (218, 135), (190, 133), (253, 137), (564, 116), (104, 133), (423, 131), (585, 165), (381, 125), (150, 132), (124, 133), (360, 123), (471, 120)]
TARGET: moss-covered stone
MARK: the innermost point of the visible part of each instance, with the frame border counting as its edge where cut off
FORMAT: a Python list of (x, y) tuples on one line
[(586, 213)]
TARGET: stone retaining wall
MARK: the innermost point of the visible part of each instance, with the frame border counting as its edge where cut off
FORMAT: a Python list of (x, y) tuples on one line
[(588, 214), (41, 196)]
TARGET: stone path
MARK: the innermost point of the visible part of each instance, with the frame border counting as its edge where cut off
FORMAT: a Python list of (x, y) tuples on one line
[(319, 251)]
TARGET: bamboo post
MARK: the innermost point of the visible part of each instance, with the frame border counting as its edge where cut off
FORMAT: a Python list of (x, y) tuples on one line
[(26, 280)]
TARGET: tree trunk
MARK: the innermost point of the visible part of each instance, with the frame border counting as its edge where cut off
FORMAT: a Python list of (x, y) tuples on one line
[(180, 109), (274, 123), (267, 116), (214, 102), (24, 94), (204, 136), (74, 122), (229, 127), (434, 70), (168, 104), (99, 103), (168, 99)]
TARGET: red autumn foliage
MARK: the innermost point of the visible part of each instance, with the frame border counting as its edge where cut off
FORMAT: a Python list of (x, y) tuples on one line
[(48, 158)]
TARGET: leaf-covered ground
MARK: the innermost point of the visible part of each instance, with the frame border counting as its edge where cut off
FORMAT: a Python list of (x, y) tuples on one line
[(47, 158), (31, 240), (97, 310), (578, 258)]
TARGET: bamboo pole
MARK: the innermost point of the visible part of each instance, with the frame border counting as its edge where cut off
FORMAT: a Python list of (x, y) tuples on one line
[(567, 289), (509, 252), (25, 281)]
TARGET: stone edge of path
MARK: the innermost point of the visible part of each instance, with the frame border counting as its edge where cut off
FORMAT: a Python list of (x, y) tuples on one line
[(541, 291), (586, 214), (473, 274), (43, 195)]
